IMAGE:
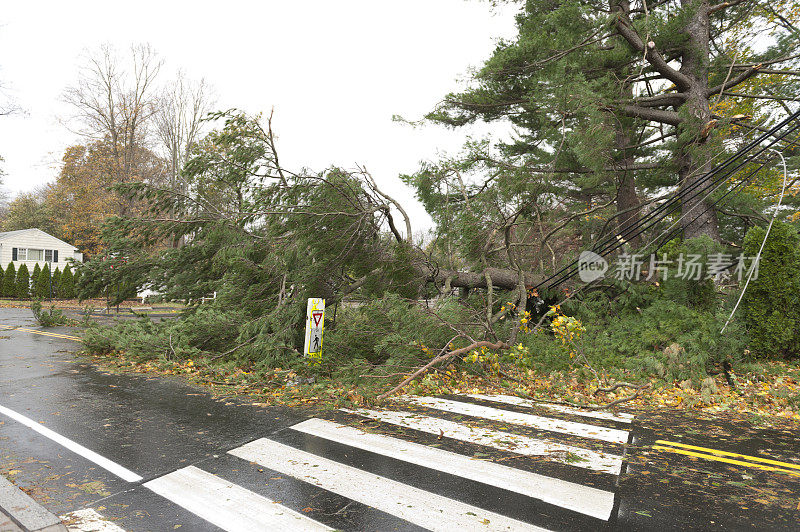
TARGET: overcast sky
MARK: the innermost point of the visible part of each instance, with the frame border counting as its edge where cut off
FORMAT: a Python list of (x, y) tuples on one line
[(335, 72)]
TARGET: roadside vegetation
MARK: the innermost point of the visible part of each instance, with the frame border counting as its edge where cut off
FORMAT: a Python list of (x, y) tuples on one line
[(670, 353), (47, 317)]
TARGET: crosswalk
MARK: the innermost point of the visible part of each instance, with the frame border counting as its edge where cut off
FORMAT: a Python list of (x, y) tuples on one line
[(453, 463)]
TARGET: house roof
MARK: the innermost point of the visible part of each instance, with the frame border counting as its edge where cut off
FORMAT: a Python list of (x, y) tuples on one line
[(7, 234), (19, 232)]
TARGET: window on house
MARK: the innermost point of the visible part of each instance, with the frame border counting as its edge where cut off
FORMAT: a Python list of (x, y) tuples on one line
[(35, 254), (48, 255), (22, 254)]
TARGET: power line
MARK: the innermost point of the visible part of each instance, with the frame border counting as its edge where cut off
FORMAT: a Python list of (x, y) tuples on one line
[(614, 242)]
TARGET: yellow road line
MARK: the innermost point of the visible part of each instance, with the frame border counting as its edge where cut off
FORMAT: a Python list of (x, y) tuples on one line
[(725, 460), (42, 333), (726, 453)]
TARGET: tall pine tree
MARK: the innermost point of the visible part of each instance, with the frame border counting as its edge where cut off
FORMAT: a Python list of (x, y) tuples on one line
[(23, 283), (55, 282), (610, 102), (42, 283), (66, 286), (35, 280), (9, 281)]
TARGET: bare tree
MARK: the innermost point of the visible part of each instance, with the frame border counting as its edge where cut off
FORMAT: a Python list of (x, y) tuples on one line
[(116, 103), (4, 197), (7, 107), (8, 104), (181, 107)]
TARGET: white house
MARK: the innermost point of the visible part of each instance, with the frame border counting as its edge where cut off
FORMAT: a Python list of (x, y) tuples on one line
[(32, 246)]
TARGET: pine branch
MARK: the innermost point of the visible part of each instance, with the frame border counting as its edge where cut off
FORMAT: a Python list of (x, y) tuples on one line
[(768, 71), (768, 62), (675, 99), (653, 56), (760, 96), (655, 115), (736, 80), (723, 5)]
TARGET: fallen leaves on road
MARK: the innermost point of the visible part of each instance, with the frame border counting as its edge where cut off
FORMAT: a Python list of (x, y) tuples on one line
[(766, 394)]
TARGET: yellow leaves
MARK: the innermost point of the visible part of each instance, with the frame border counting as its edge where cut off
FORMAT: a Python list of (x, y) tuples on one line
[(567, 328)]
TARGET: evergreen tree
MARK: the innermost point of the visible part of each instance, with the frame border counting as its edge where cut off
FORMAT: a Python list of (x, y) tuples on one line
[(66, 286), (42, 283), (35, 280), (771, 303), (610, 99), (55, 282), (9, 281), (2, 276), (76, 279), (23, 285)]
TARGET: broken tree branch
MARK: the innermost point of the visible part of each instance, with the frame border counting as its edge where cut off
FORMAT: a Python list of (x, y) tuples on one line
[(442, 358)]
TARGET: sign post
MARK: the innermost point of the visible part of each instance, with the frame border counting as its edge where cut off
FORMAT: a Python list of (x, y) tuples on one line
[(315, 320)]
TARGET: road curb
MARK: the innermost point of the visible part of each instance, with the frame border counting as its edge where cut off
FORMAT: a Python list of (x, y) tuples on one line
[(25, 512)]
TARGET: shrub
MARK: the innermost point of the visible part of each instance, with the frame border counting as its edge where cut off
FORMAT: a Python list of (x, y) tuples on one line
[(35, 279), (66, 285), (699, 293), (41, 282), (205, 330), (9, 287), (388, 333), (771, 303), (23, 285), (54, 282), (47, 318), (657, 335)]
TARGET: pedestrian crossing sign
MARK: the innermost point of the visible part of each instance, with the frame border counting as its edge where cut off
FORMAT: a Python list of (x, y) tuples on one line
[(315, 321)]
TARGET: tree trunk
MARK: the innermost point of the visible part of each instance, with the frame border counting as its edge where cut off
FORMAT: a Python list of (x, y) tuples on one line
[(698, 217), (627, 199), (628, 205)]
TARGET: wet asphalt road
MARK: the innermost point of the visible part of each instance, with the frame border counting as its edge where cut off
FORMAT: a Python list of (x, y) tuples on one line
[(155, 426), (147, 425)]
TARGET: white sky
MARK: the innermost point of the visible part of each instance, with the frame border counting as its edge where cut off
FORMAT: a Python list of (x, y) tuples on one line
[(335, 71)]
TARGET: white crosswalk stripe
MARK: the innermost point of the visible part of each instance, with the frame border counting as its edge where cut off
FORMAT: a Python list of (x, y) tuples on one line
[(227, 505), (417, 506), (506, 441), (518, 401), (439, 486), (584, 499), (545, 423)]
